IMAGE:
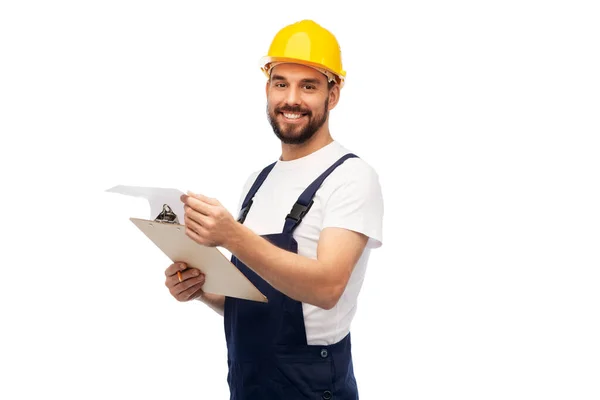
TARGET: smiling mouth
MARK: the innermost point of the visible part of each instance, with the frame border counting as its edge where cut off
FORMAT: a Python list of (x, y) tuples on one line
[(293, 115)]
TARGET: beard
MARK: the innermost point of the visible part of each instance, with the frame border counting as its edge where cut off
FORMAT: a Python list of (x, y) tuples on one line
[(297, 134)]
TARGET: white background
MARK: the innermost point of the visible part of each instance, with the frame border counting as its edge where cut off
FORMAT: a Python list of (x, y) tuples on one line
[(482, 119)]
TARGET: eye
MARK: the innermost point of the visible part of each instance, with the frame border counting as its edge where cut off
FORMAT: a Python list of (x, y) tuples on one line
[(280, 85), (309, 87)]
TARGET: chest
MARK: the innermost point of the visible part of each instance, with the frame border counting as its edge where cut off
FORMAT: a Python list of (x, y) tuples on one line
[(274, 201)]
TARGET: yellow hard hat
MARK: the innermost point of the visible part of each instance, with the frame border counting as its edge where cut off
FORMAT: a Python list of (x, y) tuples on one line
[(306, 42)]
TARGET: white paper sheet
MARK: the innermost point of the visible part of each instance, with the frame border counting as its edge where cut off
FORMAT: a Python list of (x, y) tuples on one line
[(157, 197)]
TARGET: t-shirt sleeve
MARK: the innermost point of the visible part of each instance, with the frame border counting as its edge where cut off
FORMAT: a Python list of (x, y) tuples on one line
[(356, 204)]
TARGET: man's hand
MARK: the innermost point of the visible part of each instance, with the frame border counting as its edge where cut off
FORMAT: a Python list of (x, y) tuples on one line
[(207, 222), (190, 287)]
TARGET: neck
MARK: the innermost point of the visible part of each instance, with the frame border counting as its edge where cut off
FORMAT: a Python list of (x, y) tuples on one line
[(291, 152)]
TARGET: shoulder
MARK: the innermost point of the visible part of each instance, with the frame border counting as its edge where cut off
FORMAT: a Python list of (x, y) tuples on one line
[(360, 167), (355, 172), (353, 200), (251, 178)]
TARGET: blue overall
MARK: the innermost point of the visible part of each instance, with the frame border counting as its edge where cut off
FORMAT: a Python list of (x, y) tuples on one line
[(268, 355)]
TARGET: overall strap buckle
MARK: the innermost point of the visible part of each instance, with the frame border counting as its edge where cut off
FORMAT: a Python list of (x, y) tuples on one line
[(247, 203), (299, 211), (244, 212)]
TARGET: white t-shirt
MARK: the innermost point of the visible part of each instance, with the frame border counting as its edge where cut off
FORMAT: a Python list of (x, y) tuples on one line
[(349, 198)]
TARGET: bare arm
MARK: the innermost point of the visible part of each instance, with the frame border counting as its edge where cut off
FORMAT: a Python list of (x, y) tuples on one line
[(214, 301), (320, 282)]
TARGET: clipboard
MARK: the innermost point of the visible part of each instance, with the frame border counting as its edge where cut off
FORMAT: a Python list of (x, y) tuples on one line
[(222, 277)]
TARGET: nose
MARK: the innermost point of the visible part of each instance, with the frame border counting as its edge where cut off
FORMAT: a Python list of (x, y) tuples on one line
[(293, 96)]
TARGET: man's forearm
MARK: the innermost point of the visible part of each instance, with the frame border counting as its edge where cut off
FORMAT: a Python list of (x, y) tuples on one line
[(298, 277), (214, 301)]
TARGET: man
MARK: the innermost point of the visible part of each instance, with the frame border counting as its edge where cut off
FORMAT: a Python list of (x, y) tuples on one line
[(306, 227)]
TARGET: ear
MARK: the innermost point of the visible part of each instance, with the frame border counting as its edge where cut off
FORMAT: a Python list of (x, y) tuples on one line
[(334, 96), (267, 87)]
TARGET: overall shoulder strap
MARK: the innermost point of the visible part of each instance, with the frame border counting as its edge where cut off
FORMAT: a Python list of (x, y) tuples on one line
[(305, 201), (257, 184)]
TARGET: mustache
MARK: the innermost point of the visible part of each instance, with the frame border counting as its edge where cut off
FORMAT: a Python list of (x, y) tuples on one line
[(292, 109)]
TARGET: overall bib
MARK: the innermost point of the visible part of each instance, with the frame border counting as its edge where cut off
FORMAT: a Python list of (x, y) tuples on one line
[(268, 355)]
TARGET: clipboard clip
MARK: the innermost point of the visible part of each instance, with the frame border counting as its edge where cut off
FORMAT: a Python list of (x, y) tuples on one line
[(167, 215)]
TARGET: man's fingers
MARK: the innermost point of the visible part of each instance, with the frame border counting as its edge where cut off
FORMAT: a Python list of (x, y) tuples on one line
[(173, 268), (180, 288), (188, 281), (197, 292), (190, 273), (200, 227), (201, 197), (191, 214), (191, 292), (195, 237), (198, 205)]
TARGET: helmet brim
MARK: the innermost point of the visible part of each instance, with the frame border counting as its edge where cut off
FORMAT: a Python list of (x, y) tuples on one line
[(267, 61)]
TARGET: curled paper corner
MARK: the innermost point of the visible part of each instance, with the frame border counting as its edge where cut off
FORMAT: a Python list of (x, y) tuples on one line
[(157, 197)]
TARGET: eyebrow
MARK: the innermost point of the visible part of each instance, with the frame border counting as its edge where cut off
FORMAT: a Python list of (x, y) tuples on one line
[(305, 80), (311, 80)]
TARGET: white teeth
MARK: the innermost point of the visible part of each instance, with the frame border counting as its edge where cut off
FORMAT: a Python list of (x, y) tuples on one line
[(292, 116)]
